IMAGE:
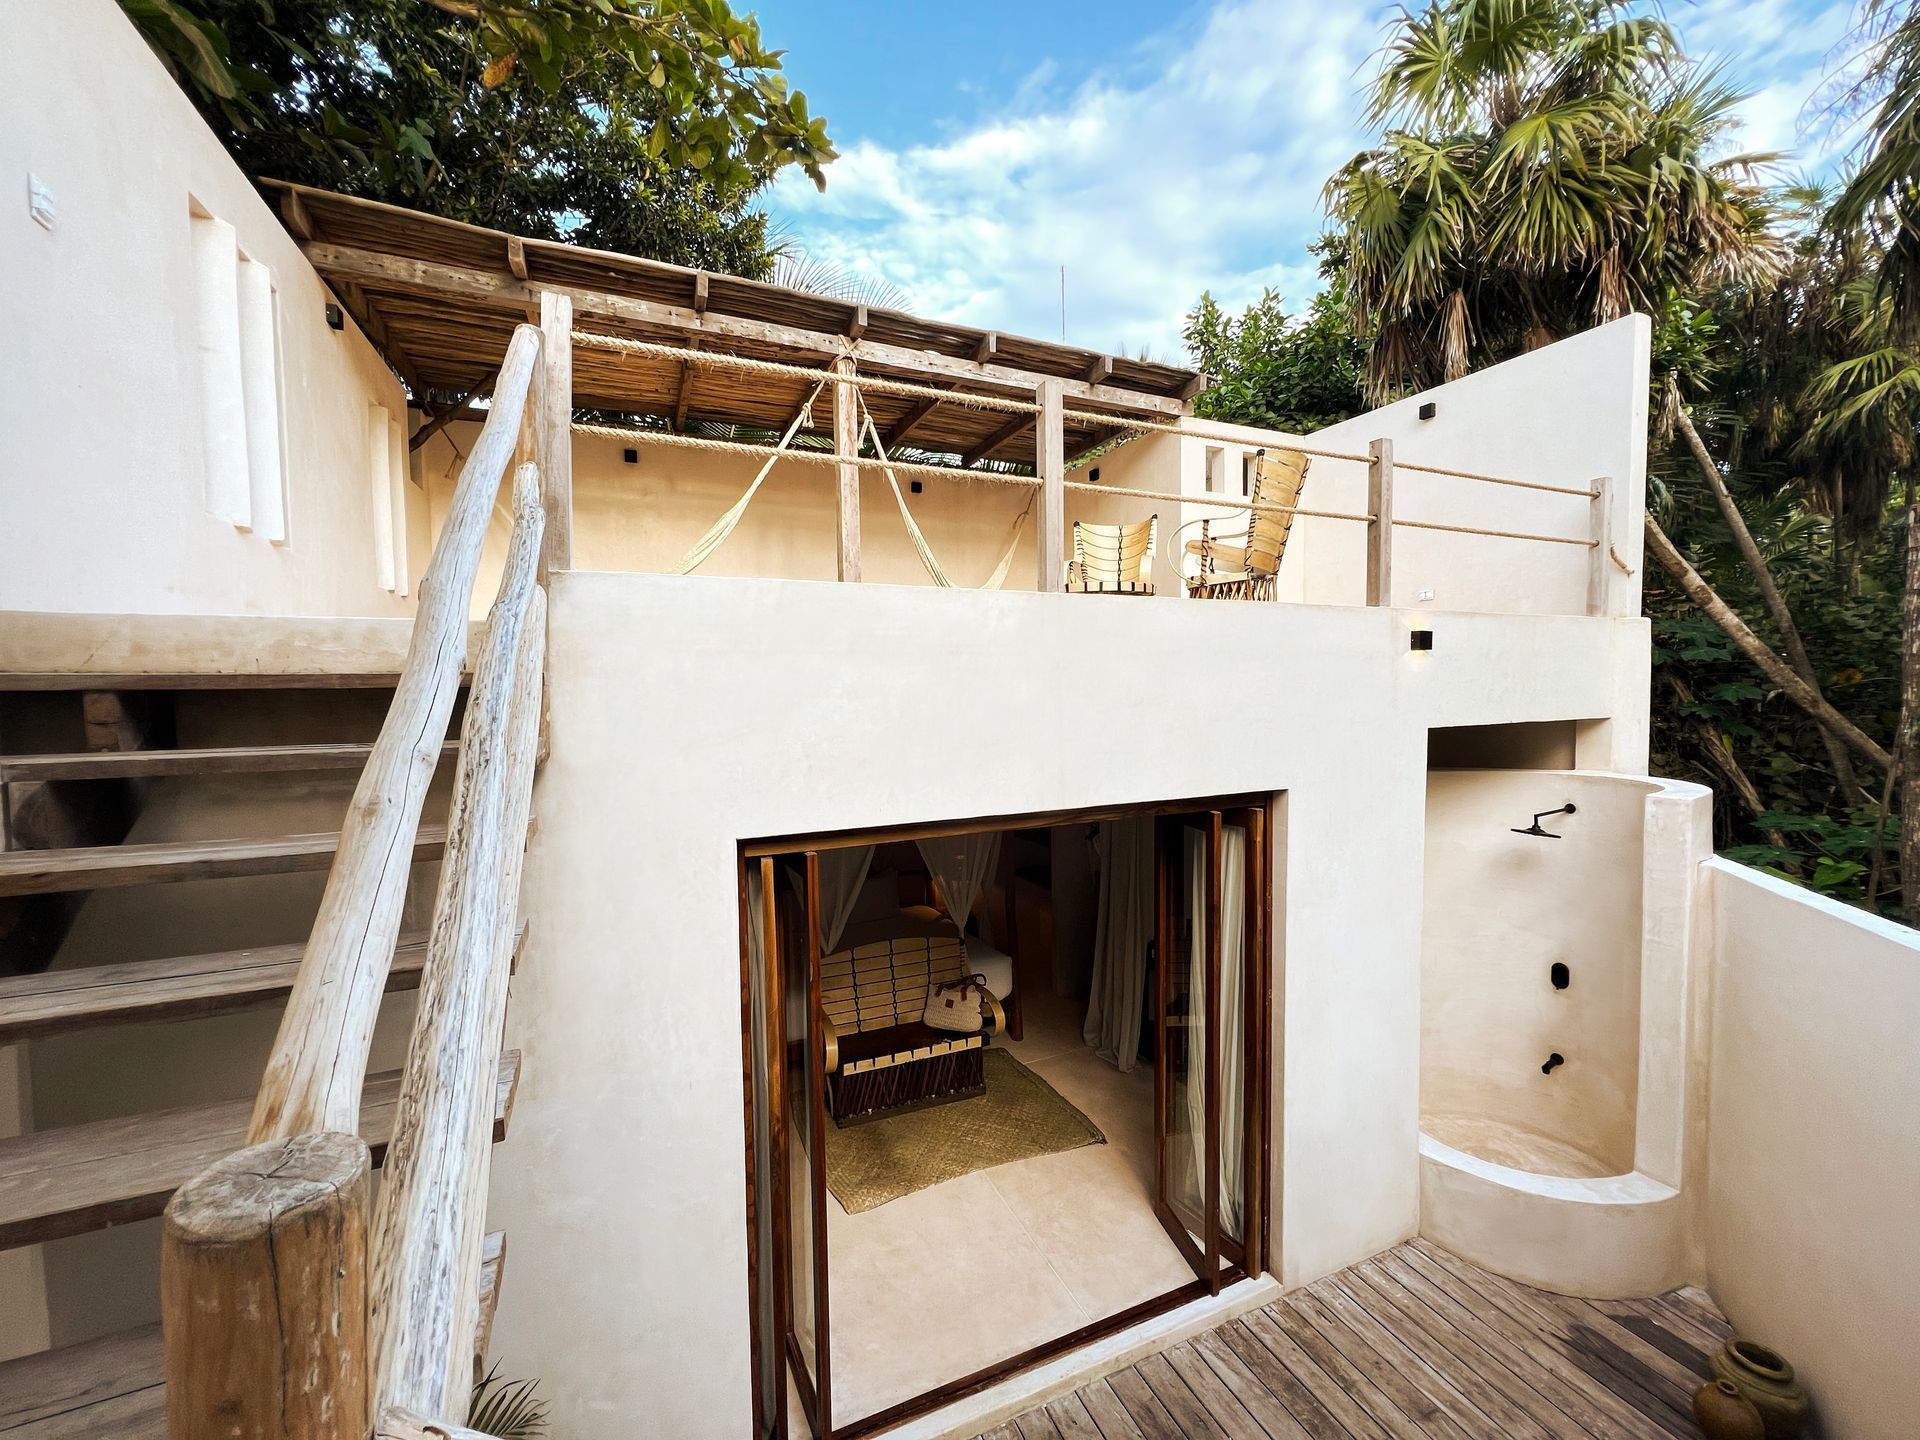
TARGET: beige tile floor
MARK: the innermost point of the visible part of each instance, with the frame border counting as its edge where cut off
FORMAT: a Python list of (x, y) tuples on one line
[(1045, 1246)]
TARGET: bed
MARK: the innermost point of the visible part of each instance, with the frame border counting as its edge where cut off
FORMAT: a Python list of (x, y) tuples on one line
[(882, 1057)]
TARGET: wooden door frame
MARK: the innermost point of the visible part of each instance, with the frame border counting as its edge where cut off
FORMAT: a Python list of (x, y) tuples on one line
[(1258, 987)]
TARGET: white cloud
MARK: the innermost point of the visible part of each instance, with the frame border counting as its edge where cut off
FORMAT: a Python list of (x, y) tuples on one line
[(1198, 167), (1149, 190)]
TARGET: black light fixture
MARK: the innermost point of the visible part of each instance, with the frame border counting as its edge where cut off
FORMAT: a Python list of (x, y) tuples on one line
[(1536, 828), (630, 455), (336, 320), (1428, 410), (919, 486), (1421, 640)]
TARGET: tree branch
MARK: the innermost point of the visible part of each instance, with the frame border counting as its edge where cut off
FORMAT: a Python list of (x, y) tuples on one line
[(1769, 593), (1755, 649)]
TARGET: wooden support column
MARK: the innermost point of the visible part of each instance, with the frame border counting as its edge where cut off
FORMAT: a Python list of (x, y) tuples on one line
[(1050, 464), (846, 441), (553, 424), (263, 1292), (1599, 558), (1380, 527)]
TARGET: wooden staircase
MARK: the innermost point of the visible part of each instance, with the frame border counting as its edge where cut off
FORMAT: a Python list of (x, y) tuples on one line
[(77, 1179)]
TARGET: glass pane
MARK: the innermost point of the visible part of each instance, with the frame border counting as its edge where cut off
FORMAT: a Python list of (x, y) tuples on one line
[(1186, 1034), (1233, 1029), (800, 1144)]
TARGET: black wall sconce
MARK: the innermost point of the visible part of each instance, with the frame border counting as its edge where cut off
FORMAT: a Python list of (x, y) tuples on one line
[(1420, 640), (336, 320), (630, 455), (1556, 1058), (1428, 410), (1560, 975)]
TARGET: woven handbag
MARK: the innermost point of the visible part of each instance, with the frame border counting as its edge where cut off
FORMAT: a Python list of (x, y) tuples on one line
[(954, 1005)]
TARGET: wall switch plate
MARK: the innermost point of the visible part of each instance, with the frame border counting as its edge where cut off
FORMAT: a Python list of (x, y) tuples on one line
[(1426, 594), (40, 201)]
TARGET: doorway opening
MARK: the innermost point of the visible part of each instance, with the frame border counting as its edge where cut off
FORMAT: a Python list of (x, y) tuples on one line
[(1007, 1095)]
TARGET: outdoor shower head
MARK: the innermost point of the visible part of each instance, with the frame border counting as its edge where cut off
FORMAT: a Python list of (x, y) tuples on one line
[(1537, 829)]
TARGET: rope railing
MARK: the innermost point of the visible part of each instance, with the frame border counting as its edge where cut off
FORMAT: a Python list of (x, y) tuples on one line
[(808, 457), (1221, 500), (1495, 534)]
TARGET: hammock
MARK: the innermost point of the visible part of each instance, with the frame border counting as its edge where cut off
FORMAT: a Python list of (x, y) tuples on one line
[(918, 537), (725, 525)]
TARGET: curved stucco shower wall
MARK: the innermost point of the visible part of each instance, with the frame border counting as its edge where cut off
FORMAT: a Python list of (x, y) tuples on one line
[(1501, 910)]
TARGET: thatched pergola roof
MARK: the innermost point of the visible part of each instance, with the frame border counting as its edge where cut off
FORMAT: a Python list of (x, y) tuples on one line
[(440, 299)]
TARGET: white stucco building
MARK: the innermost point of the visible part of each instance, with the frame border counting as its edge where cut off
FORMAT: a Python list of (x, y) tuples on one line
[(1488, 985)]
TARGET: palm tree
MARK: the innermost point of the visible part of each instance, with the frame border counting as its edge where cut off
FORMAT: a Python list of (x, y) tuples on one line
[(1548, 165), (1883, 195)]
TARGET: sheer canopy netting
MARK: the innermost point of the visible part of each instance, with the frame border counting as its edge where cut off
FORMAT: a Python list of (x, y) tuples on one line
[(1123, 931), (959, 865), (842, 873)]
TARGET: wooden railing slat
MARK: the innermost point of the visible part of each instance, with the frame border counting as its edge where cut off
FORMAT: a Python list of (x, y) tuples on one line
[(312, 1080), (428, 1220)]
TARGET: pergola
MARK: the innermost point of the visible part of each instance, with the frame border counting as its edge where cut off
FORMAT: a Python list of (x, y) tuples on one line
[(440, 299)]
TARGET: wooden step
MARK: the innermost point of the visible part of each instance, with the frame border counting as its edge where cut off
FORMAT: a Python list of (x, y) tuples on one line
[(103, 867), (116, 1387), (86, 1177), (225, 760), (183, 987)]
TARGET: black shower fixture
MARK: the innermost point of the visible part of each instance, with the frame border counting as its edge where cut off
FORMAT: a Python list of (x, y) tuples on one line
[(1537, 829)]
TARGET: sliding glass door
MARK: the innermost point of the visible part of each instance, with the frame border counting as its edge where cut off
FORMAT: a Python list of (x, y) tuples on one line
[(1210, 1028)]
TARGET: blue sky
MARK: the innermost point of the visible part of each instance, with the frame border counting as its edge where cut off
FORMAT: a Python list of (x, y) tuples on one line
[(1155, 150)]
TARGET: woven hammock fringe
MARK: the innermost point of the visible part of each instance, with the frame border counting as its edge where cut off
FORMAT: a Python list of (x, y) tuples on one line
[(994, 581)]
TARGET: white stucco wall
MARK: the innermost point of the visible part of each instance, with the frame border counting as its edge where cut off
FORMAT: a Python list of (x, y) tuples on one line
[(688, 714), (102, 447), (1813, 1210), (1500, 910)]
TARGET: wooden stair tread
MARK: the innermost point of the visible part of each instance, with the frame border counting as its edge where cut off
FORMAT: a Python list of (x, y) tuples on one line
[(180, 987), (116, 1386), (111, 1386), (85, 1177), (223, 760), (101, 867)]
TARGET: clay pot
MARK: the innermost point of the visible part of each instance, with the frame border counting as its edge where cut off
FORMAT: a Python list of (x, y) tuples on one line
[(1767, 1380), (1725, 1414)]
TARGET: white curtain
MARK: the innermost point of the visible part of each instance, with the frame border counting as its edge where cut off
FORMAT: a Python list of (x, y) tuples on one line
[(1233, 1038), (842, 873), (762, 1138), (1123, 929), (959, 865)]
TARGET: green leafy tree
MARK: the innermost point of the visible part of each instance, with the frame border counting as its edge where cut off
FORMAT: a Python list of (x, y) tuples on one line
[(637, 125), (1547, 164), (1283, 372)]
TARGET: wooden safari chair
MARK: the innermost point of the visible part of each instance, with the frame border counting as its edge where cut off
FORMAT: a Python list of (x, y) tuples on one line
[(882, 1056), (1244, 566), (1112, 559)]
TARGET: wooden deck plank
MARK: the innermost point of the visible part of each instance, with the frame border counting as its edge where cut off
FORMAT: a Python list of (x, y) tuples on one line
[(1469, 1401), (1411, 1315), (1109, 1412), (112, 1172), (1260, 1403), (1427, 1417), (1624, 1415), (104, 867), (1325, 1389), (177, 988), (1413, 1342), (113, 1384)]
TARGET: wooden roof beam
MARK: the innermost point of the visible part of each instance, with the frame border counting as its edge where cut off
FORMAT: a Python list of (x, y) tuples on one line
[(1014, 427), (1099, 370), (700, 293), (503, 291), (988, 347), (293, 214), (685, 392), (857, 326), (517, 257), (911, 421)]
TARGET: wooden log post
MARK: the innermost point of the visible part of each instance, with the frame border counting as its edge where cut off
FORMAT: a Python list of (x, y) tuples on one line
[(1600, 557), (554, 431), (1380, 526), (1050, 464), (429, 1224), (846, 441), (313, 1077), (263, 1290)]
